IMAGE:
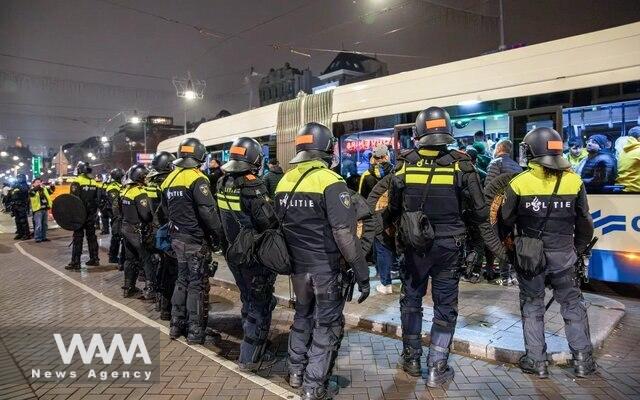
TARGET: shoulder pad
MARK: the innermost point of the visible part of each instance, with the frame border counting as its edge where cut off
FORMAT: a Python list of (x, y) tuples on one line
[(409, 155)]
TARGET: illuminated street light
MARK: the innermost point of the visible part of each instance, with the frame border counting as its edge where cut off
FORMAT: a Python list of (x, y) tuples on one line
[(16, 158), (3, 154), (48, 171), (104, 139), (21, 164), (189, 89), (7, 171), (90, 154)]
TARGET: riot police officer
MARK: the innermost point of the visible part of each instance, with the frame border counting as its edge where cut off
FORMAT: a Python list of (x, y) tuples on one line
[(549, 202), (436, 186), (112, 192), (243, 203), (87, 189), (137, 215), (19, 206), (191, 208), (167, 268), (319, 225)]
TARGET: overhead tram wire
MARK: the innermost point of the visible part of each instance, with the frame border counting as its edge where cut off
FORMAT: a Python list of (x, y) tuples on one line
[(249, 29), (88, 68), (202, 30)]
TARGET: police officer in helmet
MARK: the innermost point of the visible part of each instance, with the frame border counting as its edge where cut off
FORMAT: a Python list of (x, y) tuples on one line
[(319, 225), (243, 202), (167, 268), (112, 190), (190, 206), (88, 190), (19, 205), (437, 185), (549, 202), (137, 216)]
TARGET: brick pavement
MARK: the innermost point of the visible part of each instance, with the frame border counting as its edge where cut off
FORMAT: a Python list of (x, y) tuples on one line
[(366, 363), (489, 324)]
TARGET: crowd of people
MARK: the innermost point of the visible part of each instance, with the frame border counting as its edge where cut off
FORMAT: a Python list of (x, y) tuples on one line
[(21, 199), (426, 218)]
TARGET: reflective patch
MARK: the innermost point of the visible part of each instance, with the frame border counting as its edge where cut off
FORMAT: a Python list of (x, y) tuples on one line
[(345, 198), (205, 190)]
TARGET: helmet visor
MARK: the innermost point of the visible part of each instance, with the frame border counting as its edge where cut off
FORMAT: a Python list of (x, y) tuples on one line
[(523, 160)]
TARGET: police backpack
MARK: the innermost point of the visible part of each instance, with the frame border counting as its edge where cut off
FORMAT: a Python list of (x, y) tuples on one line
[(415, 229), (271, 249)]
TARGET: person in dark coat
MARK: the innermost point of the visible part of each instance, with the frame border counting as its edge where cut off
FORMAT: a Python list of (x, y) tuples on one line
[(600, 167), (215, 172), (272, 178), (502, 163), (378, 168)]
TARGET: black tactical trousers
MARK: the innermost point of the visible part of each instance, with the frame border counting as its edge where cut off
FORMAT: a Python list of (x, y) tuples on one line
[(442, 264), (166, 281), (190, 300), (116, 239), (136, 256), (256, 293), (105, 219), (318, 326), (89, 229), (572, 307), (22, 222)]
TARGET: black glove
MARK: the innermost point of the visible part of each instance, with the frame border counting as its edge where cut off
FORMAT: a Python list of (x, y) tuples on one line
[(364, 289)]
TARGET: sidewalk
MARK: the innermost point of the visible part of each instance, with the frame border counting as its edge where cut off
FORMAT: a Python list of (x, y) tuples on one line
[(489, 324)]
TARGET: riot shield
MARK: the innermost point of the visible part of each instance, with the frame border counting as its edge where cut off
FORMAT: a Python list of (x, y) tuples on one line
[(69, 212)]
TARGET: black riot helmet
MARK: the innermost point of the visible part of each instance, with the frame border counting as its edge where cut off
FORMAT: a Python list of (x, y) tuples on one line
[(191, 153), (116, 175), (162, 164), (433, 127), (543, 146), (137, 173), (314, 141), (21, 178), (245, 155), (83, 167)]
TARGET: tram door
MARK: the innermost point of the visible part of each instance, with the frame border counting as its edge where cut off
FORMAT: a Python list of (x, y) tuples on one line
[(522, 121)]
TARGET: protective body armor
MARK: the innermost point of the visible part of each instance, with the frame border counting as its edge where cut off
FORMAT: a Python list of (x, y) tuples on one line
[(442, 205)]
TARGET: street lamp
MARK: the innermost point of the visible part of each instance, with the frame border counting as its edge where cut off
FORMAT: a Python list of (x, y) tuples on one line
[(3, 154), (189, 89), (15, 158), (21, 164)]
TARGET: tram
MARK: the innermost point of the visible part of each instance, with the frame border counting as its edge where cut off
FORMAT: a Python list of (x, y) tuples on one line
[(581, 85)]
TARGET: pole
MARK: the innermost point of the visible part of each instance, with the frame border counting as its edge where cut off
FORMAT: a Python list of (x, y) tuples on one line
[(185, 119), (145, 136), (502, 46)]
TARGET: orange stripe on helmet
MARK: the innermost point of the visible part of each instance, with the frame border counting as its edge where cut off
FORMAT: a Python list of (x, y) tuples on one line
[(187, 149), (238, 150), (304, 139), (436, 123), (554, 145)]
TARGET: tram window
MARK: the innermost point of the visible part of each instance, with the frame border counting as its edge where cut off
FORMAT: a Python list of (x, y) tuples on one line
[(356, 148), (494, 127), (603, 145)]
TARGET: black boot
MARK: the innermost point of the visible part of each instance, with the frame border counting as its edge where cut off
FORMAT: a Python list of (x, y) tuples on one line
[(149, 294), (93, 263), (439, 373), (295, 379), (73, 266), (409, 362), (329, 391), (176, 330), (530, 366), (130, 291), (583, 364), (267, 360), (196, 335)]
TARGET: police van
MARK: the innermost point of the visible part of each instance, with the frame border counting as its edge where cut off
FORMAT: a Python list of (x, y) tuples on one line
[(582, 86)]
